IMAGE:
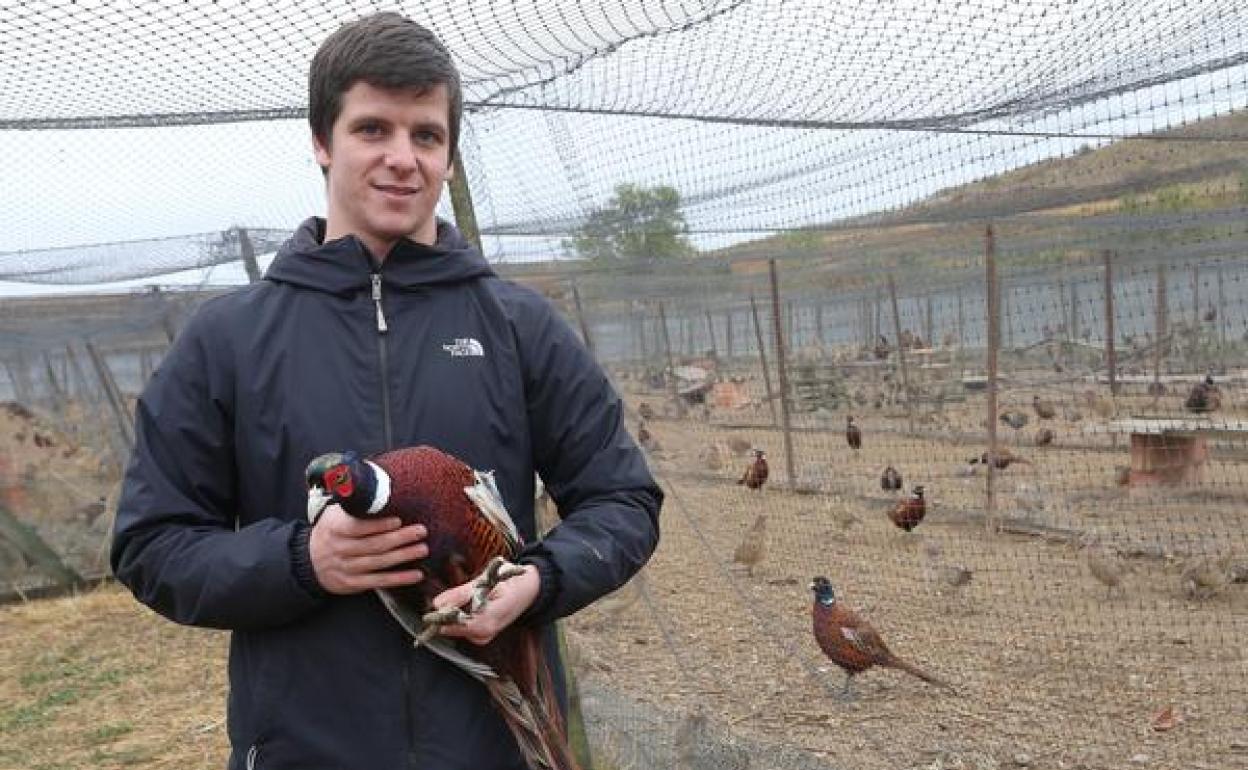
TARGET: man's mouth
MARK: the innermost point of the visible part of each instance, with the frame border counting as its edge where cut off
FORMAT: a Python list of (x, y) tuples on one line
[(396, 189)]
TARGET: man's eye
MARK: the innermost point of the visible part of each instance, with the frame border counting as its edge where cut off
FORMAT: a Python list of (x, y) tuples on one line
[(370, 129)]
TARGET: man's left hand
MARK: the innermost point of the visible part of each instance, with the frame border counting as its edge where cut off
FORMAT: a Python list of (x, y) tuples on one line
[(507, 601)]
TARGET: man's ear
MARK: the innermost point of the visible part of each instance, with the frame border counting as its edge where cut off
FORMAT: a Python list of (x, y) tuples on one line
[(321, 151)]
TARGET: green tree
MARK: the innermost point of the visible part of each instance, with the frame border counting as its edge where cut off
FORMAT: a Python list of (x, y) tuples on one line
[(638, 223)]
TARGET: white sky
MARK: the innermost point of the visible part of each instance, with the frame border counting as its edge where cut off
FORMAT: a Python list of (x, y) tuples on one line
[(794, 60)]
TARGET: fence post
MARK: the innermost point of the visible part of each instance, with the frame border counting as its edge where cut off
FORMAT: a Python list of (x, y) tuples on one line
[(710, 330), (580, 317), (901, 354), (780, 369), (1160, 321), (994, 345), (115, 399), (762, 357), (1111, 356), (670, 379)]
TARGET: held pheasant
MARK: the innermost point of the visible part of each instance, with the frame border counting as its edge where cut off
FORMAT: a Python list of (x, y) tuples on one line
[(470, 534), (851, 642)]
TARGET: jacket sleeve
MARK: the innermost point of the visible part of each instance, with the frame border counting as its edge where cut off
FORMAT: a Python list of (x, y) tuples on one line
[(592, 467), (175, 543)]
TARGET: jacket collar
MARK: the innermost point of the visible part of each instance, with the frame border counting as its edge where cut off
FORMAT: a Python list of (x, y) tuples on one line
[(345, 266)]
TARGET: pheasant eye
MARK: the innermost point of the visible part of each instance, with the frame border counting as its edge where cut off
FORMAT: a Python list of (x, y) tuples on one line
[(339, 480)]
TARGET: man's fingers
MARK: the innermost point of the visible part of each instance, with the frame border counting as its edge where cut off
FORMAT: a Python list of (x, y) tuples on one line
[(372, 562), (453, 597), (381, 542)]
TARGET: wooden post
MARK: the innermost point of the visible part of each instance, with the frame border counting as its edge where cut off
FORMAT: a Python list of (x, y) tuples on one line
[(710, 330), (113, 395), (961, 321), (248, 254), (782, 371), (762, 357), (1074, 310), (994, 344), (1111, 357), (1160, 321), (1061, 303), (19, 375), (58, 395), (901, 354), (1221, 319), (1197, 353), (929, 324), (580, 317), (1009, 316), (670, 379), (461, 203), (729, 350), (819, 324)]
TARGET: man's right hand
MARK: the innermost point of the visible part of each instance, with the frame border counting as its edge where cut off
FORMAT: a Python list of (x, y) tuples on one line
[(351, 555)]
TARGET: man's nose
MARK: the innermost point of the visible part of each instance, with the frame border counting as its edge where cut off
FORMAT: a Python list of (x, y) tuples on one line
[(401, 156)]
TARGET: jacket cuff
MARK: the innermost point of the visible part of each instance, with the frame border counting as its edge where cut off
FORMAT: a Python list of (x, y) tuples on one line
[(549, 575), (301, 561)]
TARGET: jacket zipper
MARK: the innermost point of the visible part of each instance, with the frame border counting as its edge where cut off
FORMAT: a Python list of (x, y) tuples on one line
[(388, 436), (382, 328)]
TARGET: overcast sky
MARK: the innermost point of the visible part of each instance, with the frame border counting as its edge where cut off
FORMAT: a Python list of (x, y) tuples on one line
[(536, 173)]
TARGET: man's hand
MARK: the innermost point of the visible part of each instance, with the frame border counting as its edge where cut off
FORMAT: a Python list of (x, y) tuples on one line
[(507, 601), (349, 555)]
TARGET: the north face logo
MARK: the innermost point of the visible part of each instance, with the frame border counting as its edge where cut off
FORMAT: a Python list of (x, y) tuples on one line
[(465, 346)]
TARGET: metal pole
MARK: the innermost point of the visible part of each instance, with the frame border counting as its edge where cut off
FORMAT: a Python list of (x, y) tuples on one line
[(994, 345), (762, 357), (1111, 357), (461, 202), (1160, 320), (580, 317), (670, 379), (780, 368), (248, 253), (901, 354)]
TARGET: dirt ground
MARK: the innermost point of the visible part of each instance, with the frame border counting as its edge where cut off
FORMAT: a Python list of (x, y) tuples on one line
[(1051, 668)]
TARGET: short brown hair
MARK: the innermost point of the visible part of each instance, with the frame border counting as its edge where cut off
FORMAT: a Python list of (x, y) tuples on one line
[(385, 50)]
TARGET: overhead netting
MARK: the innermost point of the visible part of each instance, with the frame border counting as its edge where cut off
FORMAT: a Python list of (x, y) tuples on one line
[(997, 235)]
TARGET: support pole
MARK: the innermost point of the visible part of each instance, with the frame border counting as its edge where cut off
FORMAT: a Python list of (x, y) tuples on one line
[(994, 345), (901, 354), (762, 357), (1111, 357), (780, 368)]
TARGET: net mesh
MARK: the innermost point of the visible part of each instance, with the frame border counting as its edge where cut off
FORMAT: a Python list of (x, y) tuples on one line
[(1087, 600)]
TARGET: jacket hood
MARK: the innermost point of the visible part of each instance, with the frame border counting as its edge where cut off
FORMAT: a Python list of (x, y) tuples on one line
[(345, 266)]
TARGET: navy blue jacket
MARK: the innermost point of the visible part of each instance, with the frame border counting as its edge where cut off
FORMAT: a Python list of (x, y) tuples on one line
[(211, 527)]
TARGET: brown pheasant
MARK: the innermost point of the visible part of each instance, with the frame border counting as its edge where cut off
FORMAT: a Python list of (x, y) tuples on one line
[(1002, 458), (753, 547), (756, 472), (853, 434), (907, 513), (890, 479), (1204, 397), (1044, 437), (1044, 409), (470, 534), (850, 642)]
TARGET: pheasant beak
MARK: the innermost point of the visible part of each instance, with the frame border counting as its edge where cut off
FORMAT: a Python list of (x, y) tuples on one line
[(317, 502)]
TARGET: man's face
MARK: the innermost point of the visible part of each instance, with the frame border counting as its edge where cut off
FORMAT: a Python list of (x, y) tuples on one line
[(388, 156)]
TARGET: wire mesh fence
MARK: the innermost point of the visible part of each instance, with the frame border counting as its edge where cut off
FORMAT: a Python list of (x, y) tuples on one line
[(970, 275)]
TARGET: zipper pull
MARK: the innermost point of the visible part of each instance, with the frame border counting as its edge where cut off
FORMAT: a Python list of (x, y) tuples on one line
[(381, 317)]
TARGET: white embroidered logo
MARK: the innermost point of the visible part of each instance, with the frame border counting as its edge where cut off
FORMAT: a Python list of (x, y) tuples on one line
[(465, 346)]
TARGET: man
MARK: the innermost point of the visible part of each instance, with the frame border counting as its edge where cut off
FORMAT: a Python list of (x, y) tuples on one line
[(375, 328)]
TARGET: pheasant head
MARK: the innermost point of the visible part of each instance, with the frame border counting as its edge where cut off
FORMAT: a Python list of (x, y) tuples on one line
[(359, 486)]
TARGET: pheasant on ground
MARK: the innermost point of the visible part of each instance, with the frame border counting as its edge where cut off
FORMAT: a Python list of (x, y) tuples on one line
[(756, 472), (1044, 409), (853, 435), (470, 535), (753, 547), (907, 513), (1204, 397), (1044, 437), (1104, 565), (890, 479), (851, 642)]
